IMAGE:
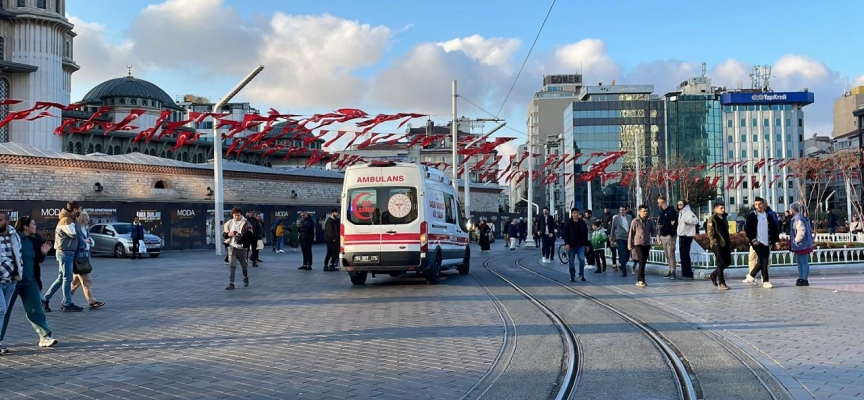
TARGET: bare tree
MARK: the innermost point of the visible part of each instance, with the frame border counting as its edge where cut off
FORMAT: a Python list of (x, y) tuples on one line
[(849, 164), (814, 176)]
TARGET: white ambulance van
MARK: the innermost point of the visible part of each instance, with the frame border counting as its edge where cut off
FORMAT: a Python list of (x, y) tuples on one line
[(399, 218)]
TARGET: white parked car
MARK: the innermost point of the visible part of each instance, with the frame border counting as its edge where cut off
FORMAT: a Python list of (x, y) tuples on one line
[(114, 238)]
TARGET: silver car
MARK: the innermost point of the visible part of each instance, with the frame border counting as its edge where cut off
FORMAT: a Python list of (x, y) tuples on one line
[(114, 238)]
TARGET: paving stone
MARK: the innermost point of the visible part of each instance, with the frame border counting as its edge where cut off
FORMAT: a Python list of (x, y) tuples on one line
[(170, 330)]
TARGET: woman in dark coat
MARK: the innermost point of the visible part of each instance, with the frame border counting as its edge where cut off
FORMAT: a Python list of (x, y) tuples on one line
[(484, 231)]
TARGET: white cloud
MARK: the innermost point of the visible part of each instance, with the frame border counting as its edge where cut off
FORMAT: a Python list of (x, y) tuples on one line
[(493, 52), (587, 56), (310, 60), (859, 81), (97, 57)]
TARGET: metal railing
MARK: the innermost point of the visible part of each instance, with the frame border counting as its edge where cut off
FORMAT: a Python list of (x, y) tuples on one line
[(741, 259)]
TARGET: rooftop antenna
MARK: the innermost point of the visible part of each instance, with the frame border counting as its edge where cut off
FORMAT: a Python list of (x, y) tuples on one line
[(704, 68), (755, 78), (129, 68), (766, 78)]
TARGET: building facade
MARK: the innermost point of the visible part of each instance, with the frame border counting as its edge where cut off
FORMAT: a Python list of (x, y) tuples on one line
[(845, 122), (36, 64), (546, 128), (694, 130), (612, 118), (762, 126)]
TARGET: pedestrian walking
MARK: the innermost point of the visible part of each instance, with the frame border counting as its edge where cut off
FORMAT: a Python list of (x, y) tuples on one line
[(137, 235), (620, 235), (307, 237), (717, 229), (589, 222), (752, 257), (485, 233), (642, 229), (688, 223), (238, 234), (257, 243), (331, 236), (832, 222), (668, 230), (513, 233), (763, 235), (523, 231), (576, 242), (546, 230), (599, 240), (800, 243), (28, 250), (66, 244), (83, 268)]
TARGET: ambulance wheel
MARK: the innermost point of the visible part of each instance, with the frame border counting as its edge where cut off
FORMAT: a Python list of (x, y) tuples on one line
[(465, 267), (433, 276), (358, 278)]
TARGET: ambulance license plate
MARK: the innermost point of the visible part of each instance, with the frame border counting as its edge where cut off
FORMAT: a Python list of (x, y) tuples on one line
[(366, 259)]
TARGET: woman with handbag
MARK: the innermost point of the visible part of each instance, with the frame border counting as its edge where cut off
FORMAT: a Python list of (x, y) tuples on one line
[(32, 250), (82, 267), (484, 231)]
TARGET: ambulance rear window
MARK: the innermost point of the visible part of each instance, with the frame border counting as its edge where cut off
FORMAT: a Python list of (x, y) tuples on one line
[(382, 205)]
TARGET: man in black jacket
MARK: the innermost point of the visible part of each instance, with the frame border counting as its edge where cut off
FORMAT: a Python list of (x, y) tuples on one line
[(717, 229), (307, 237), (258, 233), (331, 236), (763, 234), (667, 224), (546, 230), (575, 242)]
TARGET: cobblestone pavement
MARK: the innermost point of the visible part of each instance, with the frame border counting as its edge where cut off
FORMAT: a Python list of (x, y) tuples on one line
[(808, 337), (171, 330)]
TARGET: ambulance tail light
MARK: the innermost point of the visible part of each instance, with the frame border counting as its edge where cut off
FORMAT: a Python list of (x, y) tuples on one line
[(341, 239), (424, 237)]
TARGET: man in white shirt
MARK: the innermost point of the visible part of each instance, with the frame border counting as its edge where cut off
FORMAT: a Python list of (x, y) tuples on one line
[(237, 233), (763, 234)]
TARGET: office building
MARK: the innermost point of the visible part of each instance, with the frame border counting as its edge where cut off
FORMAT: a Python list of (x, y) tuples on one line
[(607, 119), (762, 125), (694, 130), (545, 125), (845, 122)]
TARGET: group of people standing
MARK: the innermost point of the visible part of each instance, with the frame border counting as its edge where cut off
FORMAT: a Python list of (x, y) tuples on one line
[(243, 238), (22, 251)]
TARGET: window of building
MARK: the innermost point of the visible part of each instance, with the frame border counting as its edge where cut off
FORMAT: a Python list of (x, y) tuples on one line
[(751, 108), (779, 153), (57, 8), (788, 121), (781, 200), (743, 138), (755, 153), (778, 137), (744, 185), (777, 122), (21, 3), (731, 154), (728, 123), (746, 200), (800, 122), (755, 137), (2, 46), (43, 4), (788, 153), (732, 201), (743, 122), (743, 154), (788, 137), (800, 137), (765, 122), (134, 102), (755, 122), (730, 139), (123, 102)]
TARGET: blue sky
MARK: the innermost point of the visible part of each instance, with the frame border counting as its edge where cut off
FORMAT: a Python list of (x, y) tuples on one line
[(653, 42)]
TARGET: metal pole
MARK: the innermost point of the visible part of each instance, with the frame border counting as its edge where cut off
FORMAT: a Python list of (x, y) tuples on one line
[(638, 184), (218, 199), (590, 195), (666, 142), (453, 140), (848, 201), (529, 244), (467, 177)]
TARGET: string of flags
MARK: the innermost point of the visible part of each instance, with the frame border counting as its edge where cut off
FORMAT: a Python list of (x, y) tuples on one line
[(296, 129)]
